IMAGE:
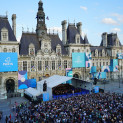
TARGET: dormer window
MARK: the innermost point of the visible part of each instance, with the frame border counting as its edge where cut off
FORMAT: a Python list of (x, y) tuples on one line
[(4, 34), (58, 49), (77, 38), (31, 50)]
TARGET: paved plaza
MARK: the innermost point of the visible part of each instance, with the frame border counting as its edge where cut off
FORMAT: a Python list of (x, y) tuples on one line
[(6, 107), (111, 86)]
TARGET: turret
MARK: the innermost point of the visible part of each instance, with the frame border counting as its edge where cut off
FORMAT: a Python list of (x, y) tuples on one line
[(79, 27), (104, 39), (14, 23), (64, 31)]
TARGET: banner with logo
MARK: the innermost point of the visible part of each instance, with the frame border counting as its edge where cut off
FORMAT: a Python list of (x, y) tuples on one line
[(8, 62), (105, 68), (120, 55), (78, 60), (114, 65), (22, 80)]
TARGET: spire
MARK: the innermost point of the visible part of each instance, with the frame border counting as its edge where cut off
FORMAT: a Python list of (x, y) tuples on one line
[(41, 26), (40, 5)]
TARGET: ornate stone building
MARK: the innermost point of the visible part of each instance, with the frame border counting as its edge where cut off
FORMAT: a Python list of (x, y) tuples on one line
[(43, 54)]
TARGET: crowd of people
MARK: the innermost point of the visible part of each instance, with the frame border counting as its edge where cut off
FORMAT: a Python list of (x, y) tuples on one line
[(90, 108), (65, 89)]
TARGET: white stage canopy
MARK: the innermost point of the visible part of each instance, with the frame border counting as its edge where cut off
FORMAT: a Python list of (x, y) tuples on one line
[(55, 80), (32, 92), (52, 82)]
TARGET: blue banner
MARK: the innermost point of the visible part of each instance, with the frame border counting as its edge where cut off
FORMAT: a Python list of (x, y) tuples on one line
[(93, 69), (69, 73), (114, 65), (96, 89), (8, 62), (99, 75), (45, 97), (22, 80), (78, 60), (120, 55)]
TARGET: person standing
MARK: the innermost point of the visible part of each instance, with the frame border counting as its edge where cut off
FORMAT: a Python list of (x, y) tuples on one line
[(6, 119)]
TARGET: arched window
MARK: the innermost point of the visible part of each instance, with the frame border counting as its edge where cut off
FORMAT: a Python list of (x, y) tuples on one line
[(13, 49), (78, 50), (5, 50)]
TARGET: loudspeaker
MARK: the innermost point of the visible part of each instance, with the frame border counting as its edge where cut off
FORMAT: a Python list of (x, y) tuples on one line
[(45, 86)]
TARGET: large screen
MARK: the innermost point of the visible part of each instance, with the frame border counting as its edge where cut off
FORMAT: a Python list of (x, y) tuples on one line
[(78, 60), (8, 62)]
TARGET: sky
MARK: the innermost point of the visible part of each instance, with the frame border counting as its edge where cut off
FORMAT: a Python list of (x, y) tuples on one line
[(97, 16)]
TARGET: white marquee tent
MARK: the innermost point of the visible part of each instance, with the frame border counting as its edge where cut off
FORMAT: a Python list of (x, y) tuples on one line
[(52, 82), (32, 92)]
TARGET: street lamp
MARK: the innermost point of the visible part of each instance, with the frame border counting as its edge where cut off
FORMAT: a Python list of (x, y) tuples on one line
[(119, 80)]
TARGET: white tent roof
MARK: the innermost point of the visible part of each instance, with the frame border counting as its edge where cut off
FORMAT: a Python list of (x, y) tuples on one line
[(55, 80), (32, 92)]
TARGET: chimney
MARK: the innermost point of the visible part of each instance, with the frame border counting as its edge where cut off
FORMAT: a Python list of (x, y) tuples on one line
[(14, 23), (79, 27), (104, 39), (64, 31)]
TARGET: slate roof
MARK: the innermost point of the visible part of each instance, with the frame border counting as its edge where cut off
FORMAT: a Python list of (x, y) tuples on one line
[(99, 48), (86, 40), (4, 23), (111, 38), (71, 33), (26, 40), (55, 40)]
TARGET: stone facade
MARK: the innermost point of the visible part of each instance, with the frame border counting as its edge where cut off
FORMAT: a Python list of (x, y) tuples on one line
[(42, 54)]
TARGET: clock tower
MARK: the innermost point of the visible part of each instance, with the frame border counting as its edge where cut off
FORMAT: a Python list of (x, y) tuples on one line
[(41, 29)]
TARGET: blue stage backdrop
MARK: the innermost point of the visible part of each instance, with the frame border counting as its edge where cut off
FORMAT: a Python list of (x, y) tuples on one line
[(31, 83), (78, 60), (8, 62), (69, 73), (114, 65), (120, 55), (45, 97)]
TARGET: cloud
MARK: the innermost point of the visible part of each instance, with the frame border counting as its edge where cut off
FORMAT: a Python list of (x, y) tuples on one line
[(84, 8), (18, 38), (116, 30), (119, 17), (109, 21), (55, 29)]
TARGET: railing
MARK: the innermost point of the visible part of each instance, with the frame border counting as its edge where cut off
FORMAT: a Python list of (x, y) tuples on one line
[(83, 92), (16, 94)]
